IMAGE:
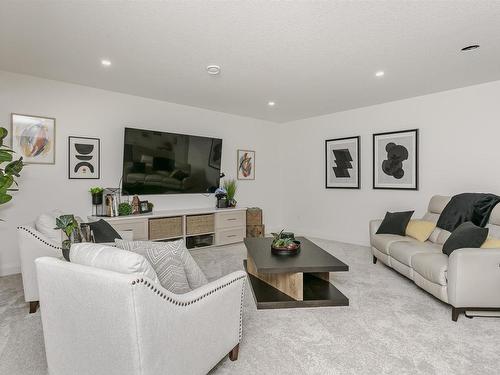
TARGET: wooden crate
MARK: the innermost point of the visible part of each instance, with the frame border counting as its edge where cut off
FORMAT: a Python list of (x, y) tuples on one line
[(167, 227), (254, 216), (197, 224), (255, 230)]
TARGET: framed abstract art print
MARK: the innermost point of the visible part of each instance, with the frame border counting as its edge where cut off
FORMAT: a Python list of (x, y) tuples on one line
[(342, 163)]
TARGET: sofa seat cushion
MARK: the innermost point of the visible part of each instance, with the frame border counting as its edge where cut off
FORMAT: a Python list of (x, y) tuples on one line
[(404, 251), (382, 241), (431, 266)]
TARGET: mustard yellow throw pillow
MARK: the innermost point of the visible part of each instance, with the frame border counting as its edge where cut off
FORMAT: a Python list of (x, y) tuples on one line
[(491, 243), (420, 229)]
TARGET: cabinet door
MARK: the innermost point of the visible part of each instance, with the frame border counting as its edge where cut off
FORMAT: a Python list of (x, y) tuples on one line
[(139, 228)]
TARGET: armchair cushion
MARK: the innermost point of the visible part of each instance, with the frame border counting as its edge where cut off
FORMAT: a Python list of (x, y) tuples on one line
[(46, 224), (112, 259), (103, 231), (167, 260)]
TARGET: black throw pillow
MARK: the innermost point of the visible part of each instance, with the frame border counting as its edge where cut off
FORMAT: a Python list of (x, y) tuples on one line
[(395, 223), (465, 235), (103, 231)]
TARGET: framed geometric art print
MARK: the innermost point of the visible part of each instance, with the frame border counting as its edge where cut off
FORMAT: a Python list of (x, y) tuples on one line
[(84, 158), (342, 163), (395, 160), (34, 138)]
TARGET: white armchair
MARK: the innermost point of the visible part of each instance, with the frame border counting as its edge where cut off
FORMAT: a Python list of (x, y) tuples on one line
[(100, 322), (32, 245)]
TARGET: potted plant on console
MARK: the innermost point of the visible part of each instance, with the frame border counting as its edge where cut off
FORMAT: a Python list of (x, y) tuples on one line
[(230, 187)]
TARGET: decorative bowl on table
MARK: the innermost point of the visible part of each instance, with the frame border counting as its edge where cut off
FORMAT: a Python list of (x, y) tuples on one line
[(284, 243)]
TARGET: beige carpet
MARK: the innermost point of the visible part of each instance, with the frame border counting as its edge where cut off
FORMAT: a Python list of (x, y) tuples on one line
[(390, 327)]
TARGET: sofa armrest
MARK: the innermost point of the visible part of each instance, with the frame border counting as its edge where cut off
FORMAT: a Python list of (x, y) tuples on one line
[(474, 278), (374, 225), (206, 322), (32, 245)]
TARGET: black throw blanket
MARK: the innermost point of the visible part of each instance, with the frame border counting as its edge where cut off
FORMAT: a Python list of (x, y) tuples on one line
[(475, 207)]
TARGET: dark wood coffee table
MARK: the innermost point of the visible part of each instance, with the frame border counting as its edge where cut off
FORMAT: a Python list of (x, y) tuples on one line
[(284, 281)]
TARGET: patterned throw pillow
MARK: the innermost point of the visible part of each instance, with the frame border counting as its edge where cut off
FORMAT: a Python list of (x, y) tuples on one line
[(194, 275), (167, 264)]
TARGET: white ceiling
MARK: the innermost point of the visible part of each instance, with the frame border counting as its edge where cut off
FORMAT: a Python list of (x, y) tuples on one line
[(310, 57)]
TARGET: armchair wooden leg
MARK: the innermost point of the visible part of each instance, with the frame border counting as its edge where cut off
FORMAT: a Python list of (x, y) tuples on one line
[(233, 354), (455, 312), (374, 259), (34, 306)]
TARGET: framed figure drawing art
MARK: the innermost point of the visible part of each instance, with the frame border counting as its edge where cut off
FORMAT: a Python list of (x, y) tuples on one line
[(395, 160), (342, 163), (34, 138), (246, 165), (84, 158)]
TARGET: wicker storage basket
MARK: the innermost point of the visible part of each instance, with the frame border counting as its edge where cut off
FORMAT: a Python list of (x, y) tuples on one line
[(168, 227), (197, 224)]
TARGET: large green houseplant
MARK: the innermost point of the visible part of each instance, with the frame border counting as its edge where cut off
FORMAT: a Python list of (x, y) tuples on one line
[(9, 169)]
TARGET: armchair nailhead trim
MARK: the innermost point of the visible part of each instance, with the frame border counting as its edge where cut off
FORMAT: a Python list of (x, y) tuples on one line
[(178, 303), (39, 239)]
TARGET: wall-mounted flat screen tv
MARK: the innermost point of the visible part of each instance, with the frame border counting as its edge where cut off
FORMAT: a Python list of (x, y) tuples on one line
[(156, 162)]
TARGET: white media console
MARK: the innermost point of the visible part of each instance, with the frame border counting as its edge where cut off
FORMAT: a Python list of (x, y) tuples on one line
[(199, 227)]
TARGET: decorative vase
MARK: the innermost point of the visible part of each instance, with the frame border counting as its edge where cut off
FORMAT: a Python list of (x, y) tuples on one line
[(97, 198)]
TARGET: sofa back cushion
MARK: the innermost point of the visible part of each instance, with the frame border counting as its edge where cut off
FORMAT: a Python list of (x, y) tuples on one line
[(111, 259), (438, 203)]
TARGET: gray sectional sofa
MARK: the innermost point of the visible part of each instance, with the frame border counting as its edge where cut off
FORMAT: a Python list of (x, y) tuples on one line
[(468, 280)]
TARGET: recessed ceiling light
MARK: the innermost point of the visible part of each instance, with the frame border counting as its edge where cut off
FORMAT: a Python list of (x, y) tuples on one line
[(213, 69), (106, 62), (271, 104), (380, 73), (470, 48)]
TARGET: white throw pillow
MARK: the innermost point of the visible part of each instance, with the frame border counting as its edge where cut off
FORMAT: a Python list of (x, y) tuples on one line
[(112, 259), (46, 224)]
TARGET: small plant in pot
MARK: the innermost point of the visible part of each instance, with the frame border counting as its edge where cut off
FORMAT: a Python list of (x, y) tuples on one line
[(284, 243), (96, 195), (124, 209), (230, 187), (69, 226)]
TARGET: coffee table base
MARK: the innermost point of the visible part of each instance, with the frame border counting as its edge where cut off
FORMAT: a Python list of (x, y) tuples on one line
[(316, 293)]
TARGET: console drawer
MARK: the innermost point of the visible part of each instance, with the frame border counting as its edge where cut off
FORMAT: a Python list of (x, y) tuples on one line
[(230, 219), (227, 236)]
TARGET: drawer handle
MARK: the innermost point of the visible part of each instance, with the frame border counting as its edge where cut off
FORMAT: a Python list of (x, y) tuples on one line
[(232, 235), (231, 219)]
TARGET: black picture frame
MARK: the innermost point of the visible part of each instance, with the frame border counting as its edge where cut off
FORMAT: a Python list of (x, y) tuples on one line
[(415, 185), (144, 207), (98, 164), (357, 139)]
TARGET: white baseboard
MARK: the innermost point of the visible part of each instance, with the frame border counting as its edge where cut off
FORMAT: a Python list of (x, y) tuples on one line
[(9, 269)]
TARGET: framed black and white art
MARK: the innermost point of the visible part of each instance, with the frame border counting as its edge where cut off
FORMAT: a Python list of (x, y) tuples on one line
[(84, 158), (342, 163), (395, 160)]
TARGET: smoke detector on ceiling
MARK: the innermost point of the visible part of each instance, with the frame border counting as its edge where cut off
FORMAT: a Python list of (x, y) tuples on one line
[(213, 69)]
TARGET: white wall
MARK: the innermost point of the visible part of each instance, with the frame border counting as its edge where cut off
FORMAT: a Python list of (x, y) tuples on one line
[(459, 152), (84, 111)]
